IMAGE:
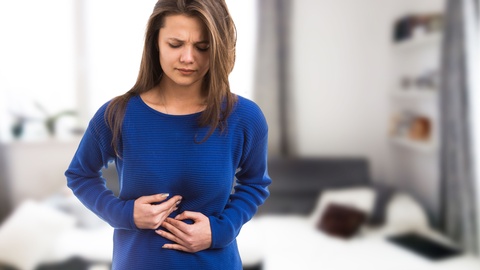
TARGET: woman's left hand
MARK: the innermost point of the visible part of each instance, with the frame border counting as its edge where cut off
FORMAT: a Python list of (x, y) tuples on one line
[(187, 237)]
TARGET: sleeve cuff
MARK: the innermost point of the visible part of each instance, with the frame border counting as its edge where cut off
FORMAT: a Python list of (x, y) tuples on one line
[(222, 232)]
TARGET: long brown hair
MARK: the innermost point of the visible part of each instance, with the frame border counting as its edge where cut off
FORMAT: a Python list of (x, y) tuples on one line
[(216, 87)]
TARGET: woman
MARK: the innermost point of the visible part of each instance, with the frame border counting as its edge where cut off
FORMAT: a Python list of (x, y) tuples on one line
[(191, 156)]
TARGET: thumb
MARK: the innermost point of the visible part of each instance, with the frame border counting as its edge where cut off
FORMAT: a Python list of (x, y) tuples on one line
[(153, 198)]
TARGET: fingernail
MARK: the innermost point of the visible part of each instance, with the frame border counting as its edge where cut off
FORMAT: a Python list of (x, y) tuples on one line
[(178, 202), (165, 195)]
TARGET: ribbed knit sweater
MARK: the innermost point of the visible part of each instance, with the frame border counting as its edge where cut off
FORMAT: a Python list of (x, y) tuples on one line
[(225, 178)]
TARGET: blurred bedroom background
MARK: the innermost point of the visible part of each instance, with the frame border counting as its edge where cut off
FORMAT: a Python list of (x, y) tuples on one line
[(390, 83)]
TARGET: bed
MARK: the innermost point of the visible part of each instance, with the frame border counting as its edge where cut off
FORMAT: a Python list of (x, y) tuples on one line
[(290, 231), (59, 233)]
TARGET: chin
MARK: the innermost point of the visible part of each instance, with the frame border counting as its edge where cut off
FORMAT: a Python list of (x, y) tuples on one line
[(186, 83)]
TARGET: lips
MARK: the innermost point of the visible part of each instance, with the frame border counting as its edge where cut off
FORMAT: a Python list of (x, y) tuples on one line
[(186, 71)]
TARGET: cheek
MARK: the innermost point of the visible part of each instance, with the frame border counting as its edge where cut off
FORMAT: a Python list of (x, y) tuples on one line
[(163, 61), (166, 58), (205, 63)]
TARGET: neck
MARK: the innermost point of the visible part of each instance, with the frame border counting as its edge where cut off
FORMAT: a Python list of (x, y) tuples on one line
[(172, 92), (175, 100)]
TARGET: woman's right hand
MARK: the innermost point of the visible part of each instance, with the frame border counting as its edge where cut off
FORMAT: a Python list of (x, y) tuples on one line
[(149, 212)]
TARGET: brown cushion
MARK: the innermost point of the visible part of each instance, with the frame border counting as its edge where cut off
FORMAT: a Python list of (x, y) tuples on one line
[(341, 220)]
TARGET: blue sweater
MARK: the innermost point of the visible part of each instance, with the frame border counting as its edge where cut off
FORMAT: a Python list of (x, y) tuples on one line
[(160, 155)]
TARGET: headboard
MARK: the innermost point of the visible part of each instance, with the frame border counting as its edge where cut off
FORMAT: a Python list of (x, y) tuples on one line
[(297, 182)]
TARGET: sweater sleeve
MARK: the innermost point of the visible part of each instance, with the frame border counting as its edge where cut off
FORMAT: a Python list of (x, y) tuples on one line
[(250, 191), (84, 177)]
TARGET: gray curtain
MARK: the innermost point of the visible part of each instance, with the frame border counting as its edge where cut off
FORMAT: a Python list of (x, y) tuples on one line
[(271, 73), (458, 194), (5, 200)]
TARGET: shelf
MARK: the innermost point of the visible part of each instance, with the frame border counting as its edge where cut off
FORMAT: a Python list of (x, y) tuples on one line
[(419, 41), (415, 94), (420, 146), (75, 140)]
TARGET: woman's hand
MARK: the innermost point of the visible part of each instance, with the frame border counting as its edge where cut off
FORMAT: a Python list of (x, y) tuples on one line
[(149, 213), (187, 237)]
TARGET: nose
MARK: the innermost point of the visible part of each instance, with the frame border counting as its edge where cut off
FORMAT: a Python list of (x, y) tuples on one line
[(187, 55)]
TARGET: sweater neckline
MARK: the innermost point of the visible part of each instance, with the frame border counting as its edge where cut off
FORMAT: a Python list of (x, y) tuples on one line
[(190, 115)]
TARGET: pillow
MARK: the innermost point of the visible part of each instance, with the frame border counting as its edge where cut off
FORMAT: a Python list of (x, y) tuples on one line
[(29, 232), (362, 198), (68, 203), (341, 220), (405, 214)]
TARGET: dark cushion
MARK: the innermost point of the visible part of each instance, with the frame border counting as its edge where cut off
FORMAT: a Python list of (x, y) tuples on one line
[(341, 220)]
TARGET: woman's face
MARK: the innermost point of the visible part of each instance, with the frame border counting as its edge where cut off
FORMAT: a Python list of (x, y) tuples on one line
[(184, 50)]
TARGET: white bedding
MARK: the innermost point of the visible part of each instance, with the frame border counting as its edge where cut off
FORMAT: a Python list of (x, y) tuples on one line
[(289, 242), (293, 242), (277, 242), (53, 231)]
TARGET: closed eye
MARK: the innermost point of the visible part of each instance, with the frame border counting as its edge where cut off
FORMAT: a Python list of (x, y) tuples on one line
[(203, 48), (174, 45)]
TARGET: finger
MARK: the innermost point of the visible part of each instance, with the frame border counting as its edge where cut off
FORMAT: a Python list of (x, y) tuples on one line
[(171, 237), (189, 215), (176, 247), (169, 205), (178, 228), (153, 198)]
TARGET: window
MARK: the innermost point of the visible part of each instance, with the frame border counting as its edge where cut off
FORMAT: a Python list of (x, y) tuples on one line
[(245, 18), (77, 54), (38, 63)]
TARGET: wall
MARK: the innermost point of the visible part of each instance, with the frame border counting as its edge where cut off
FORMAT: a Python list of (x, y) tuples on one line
[(340, 72)]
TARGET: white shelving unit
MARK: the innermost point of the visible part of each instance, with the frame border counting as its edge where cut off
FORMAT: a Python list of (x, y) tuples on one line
[(429, 147), (418, 42), (414, 94), (414, 58)]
